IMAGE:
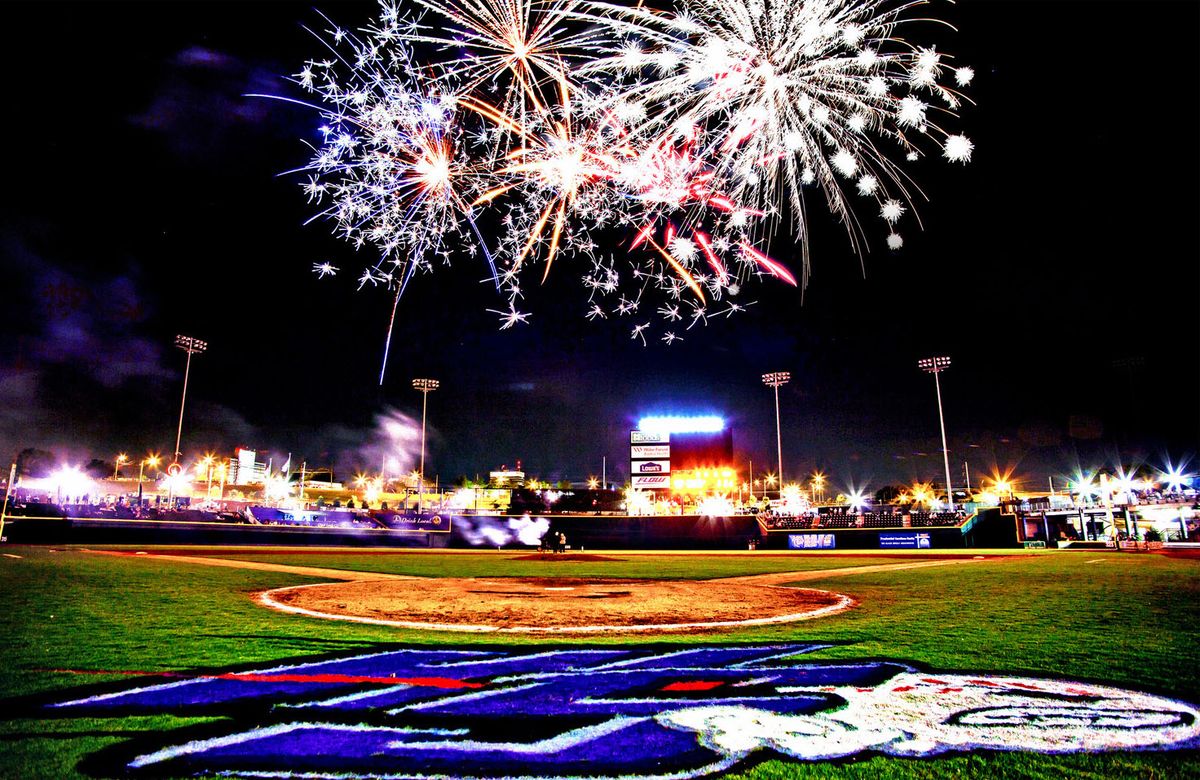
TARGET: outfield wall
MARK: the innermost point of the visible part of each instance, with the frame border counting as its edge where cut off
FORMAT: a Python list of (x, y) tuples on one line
[(463, 531), (586, 531), (950, 537), (21, 530)]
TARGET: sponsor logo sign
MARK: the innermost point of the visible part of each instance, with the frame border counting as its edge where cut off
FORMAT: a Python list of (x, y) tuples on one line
[(812, 541), (647, 481), (423, 523), (650, 451), (905, 539), (638, 712), (649, 437), (651, 467)]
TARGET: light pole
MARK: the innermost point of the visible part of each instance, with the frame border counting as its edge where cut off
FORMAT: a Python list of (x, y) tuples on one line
[(152, 461), (191, 346), (775, 379), (426, 386), (122, 459), (818, 483), (207, 461), (935, 366)]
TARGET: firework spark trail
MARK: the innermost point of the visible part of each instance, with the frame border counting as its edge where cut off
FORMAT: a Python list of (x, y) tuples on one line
[(392, 170), (699, 129)]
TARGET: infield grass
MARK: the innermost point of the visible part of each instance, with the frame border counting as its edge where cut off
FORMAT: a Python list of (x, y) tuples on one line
[(72, 618)]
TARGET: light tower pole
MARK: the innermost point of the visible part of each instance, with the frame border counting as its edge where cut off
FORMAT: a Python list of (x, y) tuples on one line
[(935, 366), (426, 386), (775, 379), (192, 347)]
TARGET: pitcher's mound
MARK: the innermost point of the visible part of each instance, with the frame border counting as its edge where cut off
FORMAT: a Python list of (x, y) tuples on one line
[(556, 604), (566, 557)]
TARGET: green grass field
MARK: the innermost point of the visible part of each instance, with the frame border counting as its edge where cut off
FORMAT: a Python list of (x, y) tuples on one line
[(1130, 620)]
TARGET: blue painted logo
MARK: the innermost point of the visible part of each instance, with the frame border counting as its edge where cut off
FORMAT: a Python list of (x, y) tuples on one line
[(607, 712)]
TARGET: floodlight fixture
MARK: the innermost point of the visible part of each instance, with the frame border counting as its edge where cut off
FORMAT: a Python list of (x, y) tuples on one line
[(192, 346), (775, 379), (425, 386), (935, 366)]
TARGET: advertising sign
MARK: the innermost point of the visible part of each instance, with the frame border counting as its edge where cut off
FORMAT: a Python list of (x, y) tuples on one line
[(811, 541), (650, 451), (908, 539), (649, 437), (650, 467), (650, 481), (431, 523)]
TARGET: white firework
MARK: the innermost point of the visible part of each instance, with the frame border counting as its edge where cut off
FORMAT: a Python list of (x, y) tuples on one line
[(391, 172), (958, 148), (525, 49), (686, 136), (891, 211), (799, 93), (510, 317)]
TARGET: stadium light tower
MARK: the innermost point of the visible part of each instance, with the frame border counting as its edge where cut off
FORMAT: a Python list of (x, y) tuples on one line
[(775, 379), (192, 347), (935, 366), (426, 386)]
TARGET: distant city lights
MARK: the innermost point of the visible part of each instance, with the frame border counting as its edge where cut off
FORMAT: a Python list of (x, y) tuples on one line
[(178, 484), (69, 482), (715, 506), (639, 502), (857, 500), (1174, 478)]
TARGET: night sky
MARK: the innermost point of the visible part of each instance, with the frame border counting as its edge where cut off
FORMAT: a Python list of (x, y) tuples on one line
[(143, 198)]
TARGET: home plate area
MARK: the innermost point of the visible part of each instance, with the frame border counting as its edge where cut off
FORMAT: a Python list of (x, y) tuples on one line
[(650, 711)]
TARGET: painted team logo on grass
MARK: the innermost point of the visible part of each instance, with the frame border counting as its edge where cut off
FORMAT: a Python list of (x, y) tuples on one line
[(606, 712)]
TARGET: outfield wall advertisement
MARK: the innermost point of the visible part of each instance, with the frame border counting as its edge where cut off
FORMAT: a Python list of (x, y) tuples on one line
[(904, 540), (812, 541)]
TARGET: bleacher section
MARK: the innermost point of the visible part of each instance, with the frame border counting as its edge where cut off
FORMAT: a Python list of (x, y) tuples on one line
[(830, 518)]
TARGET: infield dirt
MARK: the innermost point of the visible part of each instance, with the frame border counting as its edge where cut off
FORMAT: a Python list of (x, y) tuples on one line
[(556, 603)]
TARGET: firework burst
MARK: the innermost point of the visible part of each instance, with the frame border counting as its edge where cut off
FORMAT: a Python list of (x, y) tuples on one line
[(391, 170), (679, 139), (523, 50), (792, 95)]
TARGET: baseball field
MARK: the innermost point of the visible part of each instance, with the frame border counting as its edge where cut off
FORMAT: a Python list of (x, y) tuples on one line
[(340, 663)]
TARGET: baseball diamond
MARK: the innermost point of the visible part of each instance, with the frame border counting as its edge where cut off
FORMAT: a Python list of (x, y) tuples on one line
[(337, 663)]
